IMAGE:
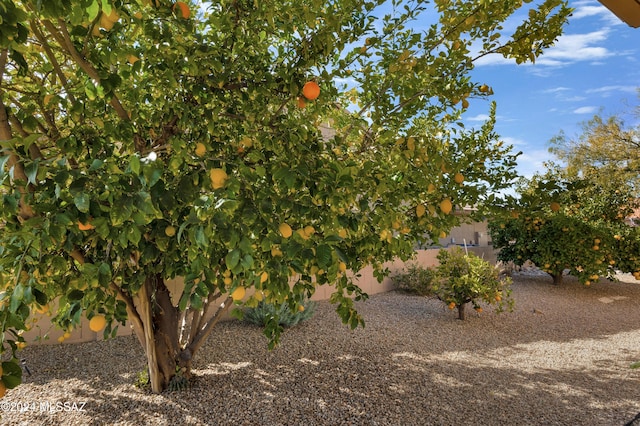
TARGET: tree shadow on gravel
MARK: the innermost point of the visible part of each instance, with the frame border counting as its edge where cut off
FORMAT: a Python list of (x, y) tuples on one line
[(413, 364)]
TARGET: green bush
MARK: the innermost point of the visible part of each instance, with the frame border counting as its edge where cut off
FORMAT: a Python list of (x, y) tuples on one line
[(285, 317), (414, 279), (465, 278)]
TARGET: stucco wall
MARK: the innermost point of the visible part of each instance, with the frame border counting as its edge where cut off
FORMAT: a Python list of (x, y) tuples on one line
[(42, 326)]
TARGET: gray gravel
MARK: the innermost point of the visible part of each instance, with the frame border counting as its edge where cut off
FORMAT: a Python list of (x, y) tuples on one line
[(561, 358)]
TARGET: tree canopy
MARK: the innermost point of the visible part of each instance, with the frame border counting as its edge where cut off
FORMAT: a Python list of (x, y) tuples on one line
[(144, 140), (567, 224), (608, 148)]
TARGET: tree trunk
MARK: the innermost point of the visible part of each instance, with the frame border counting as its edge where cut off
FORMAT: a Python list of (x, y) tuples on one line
[(159, 334), (461, 308), (156, 322), (557, 278)]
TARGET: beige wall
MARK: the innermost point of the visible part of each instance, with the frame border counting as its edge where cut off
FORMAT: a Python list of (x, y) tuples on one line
[(367, 282)]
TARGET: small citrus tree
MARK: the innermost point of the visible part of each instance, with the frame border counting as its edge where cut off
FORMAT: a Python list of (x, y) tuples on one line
[(463, 278), (143, 140), (570, 225)]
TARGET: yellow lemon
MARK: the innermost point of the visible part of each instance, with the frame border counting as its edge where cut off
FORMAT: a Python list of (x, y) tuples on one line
[(97, 323), (170, 231), (264, 277), (446, 206), (238, 294), (420, 210), (201, 149), (285, 230), (218, 178)]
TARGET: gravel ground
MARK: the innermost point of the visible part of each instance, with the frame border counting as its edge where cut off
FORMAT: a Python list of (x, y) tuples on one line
[(561, 358)]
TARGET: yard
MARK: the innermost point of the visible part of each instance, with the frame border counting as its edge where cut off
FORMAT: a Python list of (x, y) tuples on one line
[(561, 358)]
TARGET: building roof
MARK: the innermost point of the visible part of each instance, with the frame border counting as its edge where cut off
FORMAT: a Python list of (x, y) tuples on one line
[(627, 10)]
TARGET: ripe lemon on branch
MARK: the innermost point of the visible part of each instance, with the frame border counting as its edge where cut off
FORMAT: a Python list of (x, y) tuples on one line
[(97, 323), (285, 230), (218, 178), (311, 90)]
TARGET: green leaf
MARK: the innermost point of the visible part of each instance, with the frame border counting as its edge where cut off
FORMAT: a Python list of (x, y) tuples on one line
[(232, 259), (134, 235), (12, 374), (93, 10), (82, 202), (323, 256), (95, 165), (635, 364), (196, 301), (31, 170), (40, 297), (134, 164), (75, 295), (16, 298)]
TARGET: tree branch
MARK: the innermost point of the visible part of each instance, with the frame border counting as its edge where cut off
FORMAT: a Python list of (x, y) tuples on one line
[(25, 210), (52, 58), (133, 315), (200, 337), (65, 41)]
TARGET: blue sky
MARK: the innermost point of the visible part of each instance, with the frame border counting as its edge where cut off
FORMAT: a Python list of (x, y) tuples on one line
[(594, 68)]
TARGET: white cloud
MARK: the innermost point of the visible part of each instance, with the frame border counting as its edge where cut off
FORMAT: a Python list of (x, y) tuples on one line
[(532, 161), (556, 90), (568, 49), (479, 117), (574, 98), (508, 140), (586, 110), (586, 9), (609, 90), (576, 48)]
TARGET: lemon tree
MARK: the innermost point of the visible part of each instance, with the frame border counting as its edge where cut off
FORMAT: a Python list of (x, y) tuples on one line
[(269, 146), (463, 278), (570, 225)]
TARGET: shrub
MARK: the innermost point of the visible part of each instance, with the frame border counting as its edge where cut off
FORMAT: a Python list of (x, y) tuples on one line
[(465, 278), (415, 279), (264, 312)]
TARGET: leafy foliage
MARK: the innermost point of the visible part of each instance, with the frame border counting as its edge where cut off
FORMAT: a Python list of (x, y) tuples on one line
[(415, 279), (462, 278), (140, 143), (283, 315), (608, 148), (573, 225)]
